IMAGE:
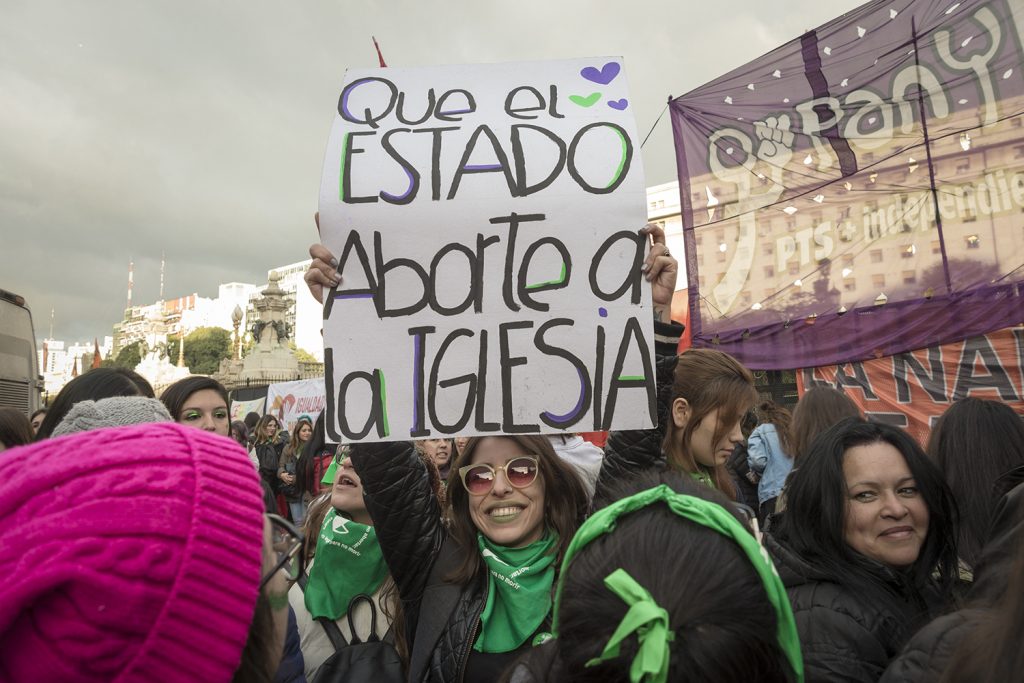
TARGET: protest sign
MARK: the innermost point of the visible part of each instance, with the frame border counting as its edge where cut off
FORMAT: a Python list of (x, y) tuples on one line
[(239, 409), (911, 390), (288, 401), (485, 219)]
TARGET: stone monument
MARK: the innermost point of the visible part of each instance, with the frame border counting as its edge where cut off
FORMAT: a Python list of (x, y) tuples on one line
[(270, 360)]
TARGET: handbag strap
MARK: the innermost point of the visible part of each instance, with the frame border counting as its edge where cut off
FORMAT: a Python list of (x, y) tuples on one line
[(331, 628)]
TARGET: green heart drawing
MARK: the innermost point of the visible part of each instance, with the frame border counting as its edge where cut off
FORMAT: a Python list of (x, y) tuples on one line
[(587, 101)]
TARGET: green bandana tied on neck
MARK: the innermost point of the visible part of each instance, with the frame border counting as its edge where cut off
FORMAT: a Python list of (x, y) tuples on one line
[(703, 477), (519, 584), (348, 562), (644, 616)]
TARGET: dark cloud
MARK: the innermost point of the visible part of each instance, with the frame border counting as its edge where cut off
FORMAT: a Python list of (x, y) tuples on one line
[(198, 128)]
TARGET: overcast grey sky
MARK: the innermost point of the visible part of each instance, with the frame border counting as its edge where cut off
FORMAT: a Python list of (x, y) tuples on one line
[(199, 127)]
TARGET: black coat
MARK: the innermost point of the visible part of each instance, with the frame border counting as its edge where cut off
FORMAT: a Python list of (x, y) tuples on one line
[(845, 635), (931, 650), (407, 518)]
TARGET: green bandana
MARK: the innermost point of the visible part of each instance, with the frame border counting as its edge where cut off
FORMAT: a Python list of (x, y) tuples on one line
[(703, 477), (645, 617), (348, 562), (519, 584)]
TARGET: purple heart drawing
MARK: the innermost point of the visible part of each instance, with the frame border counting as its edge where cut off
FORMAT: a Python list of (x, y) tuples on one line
[(618, 104), (606, 75)]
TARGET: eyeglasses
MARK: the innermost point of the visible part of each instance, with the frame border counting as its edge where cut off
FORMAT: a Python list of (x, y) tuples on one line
[(287, 544), (478, 480)]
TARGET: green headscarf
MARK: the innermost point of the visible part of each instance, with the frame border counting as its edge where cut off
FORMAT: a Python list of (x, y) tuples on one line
[(519, 584), (348, 562), (648, 620)]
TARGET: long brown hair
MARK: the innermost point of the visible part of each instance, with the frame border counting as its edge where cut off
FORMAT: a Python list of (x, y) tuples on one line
[(294, 445), (709, 380), (261, 427), (565, 501), (817, 410), (770, 412)]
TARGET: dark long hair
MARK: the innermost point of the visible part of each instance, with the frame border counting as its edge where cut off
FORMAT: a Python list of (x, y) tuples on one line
[(94, 385), (565, 501), (15, 429), (813, 525), (175, 396), (817, 410), (307, 463), (974, 443), (725, 626), (708, 380)]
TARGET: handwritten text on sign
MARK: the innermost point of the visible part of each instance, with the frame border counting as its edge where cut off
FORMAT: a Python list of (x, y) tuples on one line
[(485, 222)]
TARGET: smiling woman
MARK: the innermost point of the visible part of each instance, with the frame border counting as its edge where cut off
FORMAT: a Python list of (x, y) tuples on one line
[(476, 592), (866, 548)]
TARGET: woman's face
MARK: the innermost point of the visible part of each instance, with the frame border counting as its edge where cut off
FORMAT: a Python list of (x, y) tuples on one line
[(347, 493), (206, 410), (705, 449), (506, 515), (886, 516), (305, 431), (270, 428), (438, 450), (460, 443)]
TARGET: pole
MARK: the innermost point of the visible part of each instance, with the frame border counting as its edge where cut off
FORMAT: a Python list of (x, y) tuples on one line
[(931, 166)]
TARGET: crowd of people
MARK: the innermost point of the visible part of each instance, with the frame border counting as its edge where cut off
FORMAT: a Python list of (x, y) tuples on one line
[(151, 539)]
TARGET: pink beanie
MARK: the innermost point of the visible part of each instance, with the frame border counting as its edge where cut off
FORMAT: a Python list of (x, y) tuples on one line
[(130, 554)]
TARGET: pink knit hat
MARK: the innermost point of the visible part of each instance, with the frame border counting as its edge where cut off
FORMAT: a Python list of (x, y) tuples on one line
[(130, 554)]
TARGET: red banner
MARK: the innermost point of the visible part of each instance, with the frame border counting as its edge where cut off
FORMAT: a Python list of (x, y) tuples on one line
[(911, 390)]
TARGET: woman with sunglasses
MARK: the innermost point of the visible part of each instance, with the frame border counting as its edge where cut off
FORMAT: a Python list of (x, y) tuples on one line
[(476, 592)]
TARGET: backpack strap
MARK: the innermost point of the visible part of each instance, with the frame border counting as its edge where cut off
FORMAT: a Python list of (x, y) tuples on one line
[(356, 599), (438, 603), (331, 628)]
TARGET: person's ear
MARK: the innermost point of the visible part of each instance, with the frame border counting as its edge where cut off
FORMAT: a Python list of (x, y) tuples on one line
[(680, 412)]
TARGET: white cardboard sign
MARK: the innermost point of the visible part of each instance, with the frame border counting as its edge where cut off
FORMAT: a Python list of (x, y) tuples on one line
[(485, 220)]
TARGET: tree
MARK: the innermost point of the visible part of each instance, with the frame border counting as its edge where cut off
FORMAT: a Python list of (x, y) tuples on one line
[(128, 357), (205, 348), (302, 355)]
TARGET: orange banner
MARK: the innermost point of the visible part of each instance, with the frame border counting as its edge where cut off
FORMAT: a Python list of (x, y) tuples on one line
[(911, 390)]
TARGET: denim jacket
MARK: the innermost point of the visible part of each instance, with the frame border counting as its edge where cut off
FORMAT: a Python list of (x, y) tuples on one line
[(766, 457)]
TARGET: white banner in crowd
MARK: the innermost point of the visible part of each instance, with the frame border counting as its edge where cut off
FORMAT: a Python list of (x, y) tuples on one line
[(485, 220), (239, 409), (288, 401)]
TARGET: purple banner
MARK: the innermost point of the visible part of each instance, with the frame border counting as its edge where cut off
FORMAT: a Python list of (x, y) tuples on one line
[(859, 191)]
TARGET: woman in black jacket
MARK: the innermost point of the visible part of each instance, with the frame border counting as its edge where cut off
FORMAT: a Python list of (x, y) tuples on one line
[(475, 593), (971, 639), (866, 548)]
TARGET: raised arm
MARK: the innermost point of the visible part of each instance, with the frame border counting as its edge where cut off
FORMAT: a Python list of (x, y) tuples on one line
[(636, 450), (406, 513)]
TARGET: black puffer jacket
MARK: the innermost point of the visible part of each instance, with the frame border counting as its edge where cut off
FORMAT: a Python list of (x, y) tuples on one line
[(636, 450), (844, 636), (931, 650), (407, 518)]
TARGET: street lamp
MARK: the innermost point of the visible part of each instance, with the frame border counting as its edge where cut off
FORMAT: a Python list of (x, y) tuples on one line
[(236, 319)]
